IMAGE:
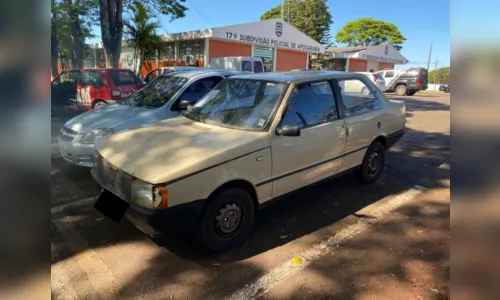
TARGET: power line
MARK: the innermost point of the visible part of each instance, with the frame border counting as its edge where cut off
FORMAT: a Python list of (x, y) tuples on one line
[(201, 15)]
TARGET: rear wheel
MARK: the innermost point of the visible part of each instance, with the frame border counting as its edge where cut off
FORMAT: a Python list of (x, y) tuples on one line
[(99, 104), (401, 90), (447, 90), (373, 164), (227, 220)]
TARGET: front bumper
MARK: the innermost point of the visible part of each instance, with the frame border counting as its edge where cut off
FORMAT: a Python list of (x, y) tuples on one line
[(180, 218), (77, 154)]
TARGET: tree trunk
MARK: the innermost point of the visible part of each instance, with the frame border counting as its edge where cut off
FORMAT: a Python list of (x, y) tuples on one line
[(111, 30), (54, 46), (76, 35)]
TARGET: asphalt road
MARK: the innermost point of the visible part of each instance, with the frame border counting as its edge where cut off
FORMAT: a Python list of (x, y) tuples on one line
[(388, 240)]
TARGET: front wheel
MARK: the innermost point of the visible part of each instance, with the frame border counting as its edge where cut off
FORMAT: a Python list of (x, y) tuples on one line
[(373, 164), (447, 90), (401, 90), (227, 220)]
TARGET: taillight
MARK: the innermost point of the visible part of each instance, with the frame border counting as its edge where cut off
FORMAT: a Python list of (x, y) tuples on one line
[(418, 81), (374, 77)]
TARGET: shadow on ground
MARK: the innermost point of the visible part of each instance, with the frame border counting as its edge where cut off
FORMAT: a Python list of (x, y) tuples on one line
[(415, 160)]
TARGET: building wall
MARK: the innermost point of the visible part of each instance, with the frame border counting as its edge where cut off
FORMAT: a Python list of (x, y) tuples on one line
[(385, 66), (218, 48), (289, 60), (357, 65)]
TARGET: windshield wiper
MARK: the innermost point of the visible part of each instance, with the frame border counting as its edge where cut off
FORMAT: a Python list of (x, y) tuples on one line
[(195, 116)]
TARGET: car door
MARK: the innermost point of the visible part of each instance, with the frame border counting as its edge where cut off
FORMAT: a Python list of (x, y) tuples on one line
[(89, 87), (389, 77), (364, 115), (317, 152)]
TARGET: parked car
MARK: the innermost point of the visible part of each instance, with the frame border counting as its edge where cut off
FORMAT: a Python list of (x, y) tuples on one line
[(165, 70), (405, 82), (164, 97), (445, 88), (93, 88), (253, 138), (378, 79), (238, 63)]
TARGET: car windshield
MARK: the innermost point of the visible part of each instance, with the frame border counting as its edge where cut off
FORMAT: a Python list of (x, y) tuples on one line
[(239, 103), (157, 92)]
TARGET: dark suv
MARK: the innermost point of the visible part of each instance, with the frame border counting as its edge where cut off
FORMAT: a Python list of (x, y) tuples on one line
[(408, 82), (93, 88)]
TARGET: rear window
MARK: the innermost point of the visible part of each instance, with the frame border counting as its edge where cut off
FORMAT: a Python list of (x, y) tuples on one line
[(125, 77), (379, 75)]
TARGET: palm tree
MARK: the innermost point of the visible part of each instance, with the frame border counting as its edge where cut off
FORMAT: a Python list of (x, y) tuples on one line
[(141, 29)]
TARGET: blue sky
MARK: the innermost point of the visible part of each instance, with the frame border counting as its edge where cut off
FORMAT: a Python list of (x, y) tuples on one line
[(419, 21)]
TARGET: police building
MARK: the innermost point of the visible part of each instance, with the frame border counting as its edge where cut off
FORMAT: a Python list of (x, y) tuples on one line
[(281, 46)]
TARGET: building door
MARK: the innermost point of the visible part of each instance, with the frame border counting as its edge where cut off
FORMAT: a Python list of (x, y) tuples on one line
[(267, 55)]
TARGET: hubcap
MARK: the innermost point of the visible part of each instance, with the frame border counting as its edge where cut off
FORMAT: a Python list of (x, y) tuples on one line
[(373, 163), (228, 220), (99, 105)]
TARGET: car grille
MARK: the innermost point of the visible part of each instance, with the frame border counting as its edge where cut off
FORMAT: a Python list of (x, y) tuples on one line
[(67, 134), (118, 180)]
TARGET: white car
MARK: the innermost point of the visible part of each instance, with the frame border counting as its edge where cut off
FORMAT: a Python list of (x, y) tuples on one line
[(376, 78)]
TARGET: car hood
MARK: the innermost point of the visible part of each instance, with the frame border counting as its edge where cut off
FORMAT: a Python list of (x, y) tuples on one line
[(173, 148), (107, 117)]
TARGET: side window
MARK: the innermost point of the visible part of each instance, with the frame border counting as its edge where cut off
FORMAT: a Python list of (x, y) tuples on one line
[(357, 97), (389, 74), (246, 66), (257, 67), (200, 88), (311, 104), (90, 79)]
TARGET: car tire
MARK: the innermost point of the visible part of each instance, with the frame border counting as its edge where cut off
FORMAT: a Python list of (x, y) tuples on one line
[(99, 104), (227, 220), (410, 93), (401, 90), (373, 164), (447, 90)]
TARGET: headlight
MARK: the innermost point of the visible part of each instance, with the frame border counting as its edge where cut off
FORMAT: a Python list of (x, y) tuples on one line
[(91, 136), (149, 196)]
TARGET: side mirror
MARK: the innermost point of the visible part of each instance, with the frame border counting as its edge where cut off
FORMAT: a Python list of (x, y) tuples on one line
[(288, 130), (184, 104)]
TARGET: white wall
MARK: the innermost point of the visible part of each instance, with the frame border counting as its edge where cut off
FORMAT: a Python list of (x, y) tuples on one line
[(371, 65)]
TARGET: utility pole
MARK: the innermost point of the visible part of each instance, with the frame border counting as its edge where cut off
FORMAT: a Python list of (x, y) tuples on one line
[(429, 60)]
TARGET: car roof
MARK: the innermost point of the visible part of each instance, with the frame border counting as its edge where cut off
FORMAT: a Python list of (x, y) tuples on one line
[(204, 72), (297, 76)]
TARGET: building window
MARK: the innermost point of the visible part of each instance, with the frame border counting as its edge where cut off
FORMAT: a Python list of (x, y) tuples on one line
[(167, 52), (267, 56), (192, 51)]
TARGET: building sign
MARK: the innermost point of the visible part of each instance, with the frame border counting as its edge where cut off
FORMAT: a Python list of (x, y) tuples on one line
[(279, 29), (381, 58), (270, 42)]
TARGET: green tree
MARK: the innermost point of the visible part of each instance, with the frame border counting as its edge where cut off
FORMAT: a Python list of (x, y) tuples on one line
[(312, 17), (141, 29), (439, 76), (111, 16), (370, 32), (70, 25)]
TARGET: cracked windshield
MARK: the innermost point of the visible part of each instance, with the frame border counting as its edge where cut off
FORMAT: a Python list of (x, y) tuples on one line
[(244, 104)]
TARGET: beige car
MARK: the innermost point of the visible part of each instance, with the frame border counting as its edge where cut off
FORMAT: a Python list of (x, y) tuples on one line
[(253, 138)]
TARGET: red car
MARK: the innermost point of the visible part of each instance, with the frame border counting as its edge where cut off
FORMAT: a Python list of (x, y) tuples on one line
[(87, 89)]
